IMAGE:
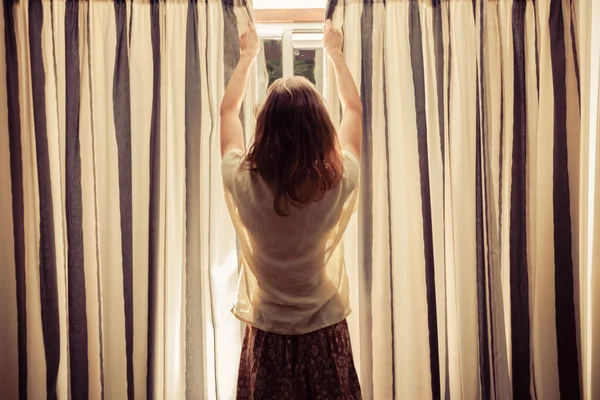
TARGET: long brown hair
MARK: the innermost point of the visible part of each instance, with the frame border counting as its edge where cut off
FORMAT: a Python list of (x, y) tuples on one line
[(295, 148)]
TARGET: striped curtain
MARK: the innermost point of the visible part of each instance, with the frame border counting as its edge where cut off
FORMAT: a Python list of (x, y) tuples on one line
[(469, 256), (117, 257)]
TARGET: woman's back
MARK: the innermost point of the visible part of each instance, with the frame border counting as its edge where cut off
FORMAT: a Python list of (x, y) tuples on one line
[(293, 276)]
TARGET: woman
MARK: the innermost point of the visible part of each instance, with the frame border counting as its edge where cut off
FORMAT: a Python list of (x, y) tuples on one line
[(290, 198)]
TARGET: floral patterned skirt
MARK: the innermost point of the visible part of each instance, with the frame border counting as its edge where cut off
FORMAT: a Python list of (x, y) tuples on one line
[(316, 365)]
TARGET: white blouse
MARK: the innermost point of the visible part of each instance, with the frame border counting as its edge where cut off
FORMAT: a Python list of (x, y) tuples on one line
[(292, 274)]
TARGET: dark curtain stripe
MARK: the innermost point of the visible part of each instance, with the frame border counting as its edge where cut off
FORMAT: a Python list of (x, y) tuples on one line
[(122, 118), (47, 255), (154, 206), (193, 162), (481, 256), (78, 334), (519, 279), (130, 27), (16, 174), (330, 9), (537, 55), (390, 237), (416, 57), (365, 215), (566, 335)]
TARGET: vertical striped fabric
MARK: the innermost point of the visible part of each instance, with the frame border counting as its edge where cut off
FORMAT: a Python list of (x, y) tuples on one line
[(474, 260), (118, 258), (588, 17), (466, 256)]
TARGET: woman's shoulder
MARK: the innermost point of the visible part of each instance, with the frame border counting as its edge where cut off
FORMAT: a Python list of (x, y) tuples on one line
[(233, 156), (232, 166)]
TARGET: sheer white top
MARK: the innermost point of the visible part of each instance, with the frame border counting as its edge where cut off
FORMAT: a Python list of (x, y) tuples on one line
[(292, 274)]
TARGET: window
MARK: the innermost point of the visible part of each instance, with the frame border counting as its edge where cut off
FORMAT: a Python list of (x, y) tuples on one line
[(291, 49)]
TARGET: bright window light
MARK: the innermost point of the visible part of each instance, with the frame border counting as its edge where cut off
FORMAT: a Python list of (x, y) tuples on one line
[(280, 4)]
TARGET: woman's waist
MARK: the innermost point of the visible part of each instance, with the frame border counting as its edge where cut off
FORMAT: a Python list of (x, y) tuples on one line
[(294, 295), (293, 317)]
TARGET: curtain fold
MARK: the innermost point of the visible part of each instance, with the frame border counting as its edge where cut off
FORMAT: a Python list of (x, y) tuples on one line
[(467, 250), (118, 260)]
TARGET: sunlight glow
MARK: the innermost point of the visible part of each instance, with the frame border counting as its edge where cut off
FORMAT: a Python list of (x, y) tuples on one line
[(279, 4)]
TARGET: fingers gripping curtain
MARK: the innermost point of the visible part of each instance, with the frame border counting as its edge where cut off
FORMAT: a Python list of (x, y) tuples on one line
[(117, 264), (466, 250)]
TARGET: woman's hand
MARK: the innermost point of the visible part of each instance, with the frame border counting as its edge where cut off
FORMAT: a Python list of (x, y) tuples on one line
[(332, 39), (249, 43)]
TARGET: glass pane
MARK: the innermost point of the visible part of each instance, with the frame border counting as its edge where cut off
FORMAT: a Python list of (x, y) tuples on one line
[(273, 60), (269, 65), (304, 63), (309, 64)]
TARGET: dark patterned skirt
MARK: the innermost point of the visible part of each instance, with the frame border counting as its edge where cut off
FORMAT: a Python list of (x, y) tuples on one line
[(316, 365)]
